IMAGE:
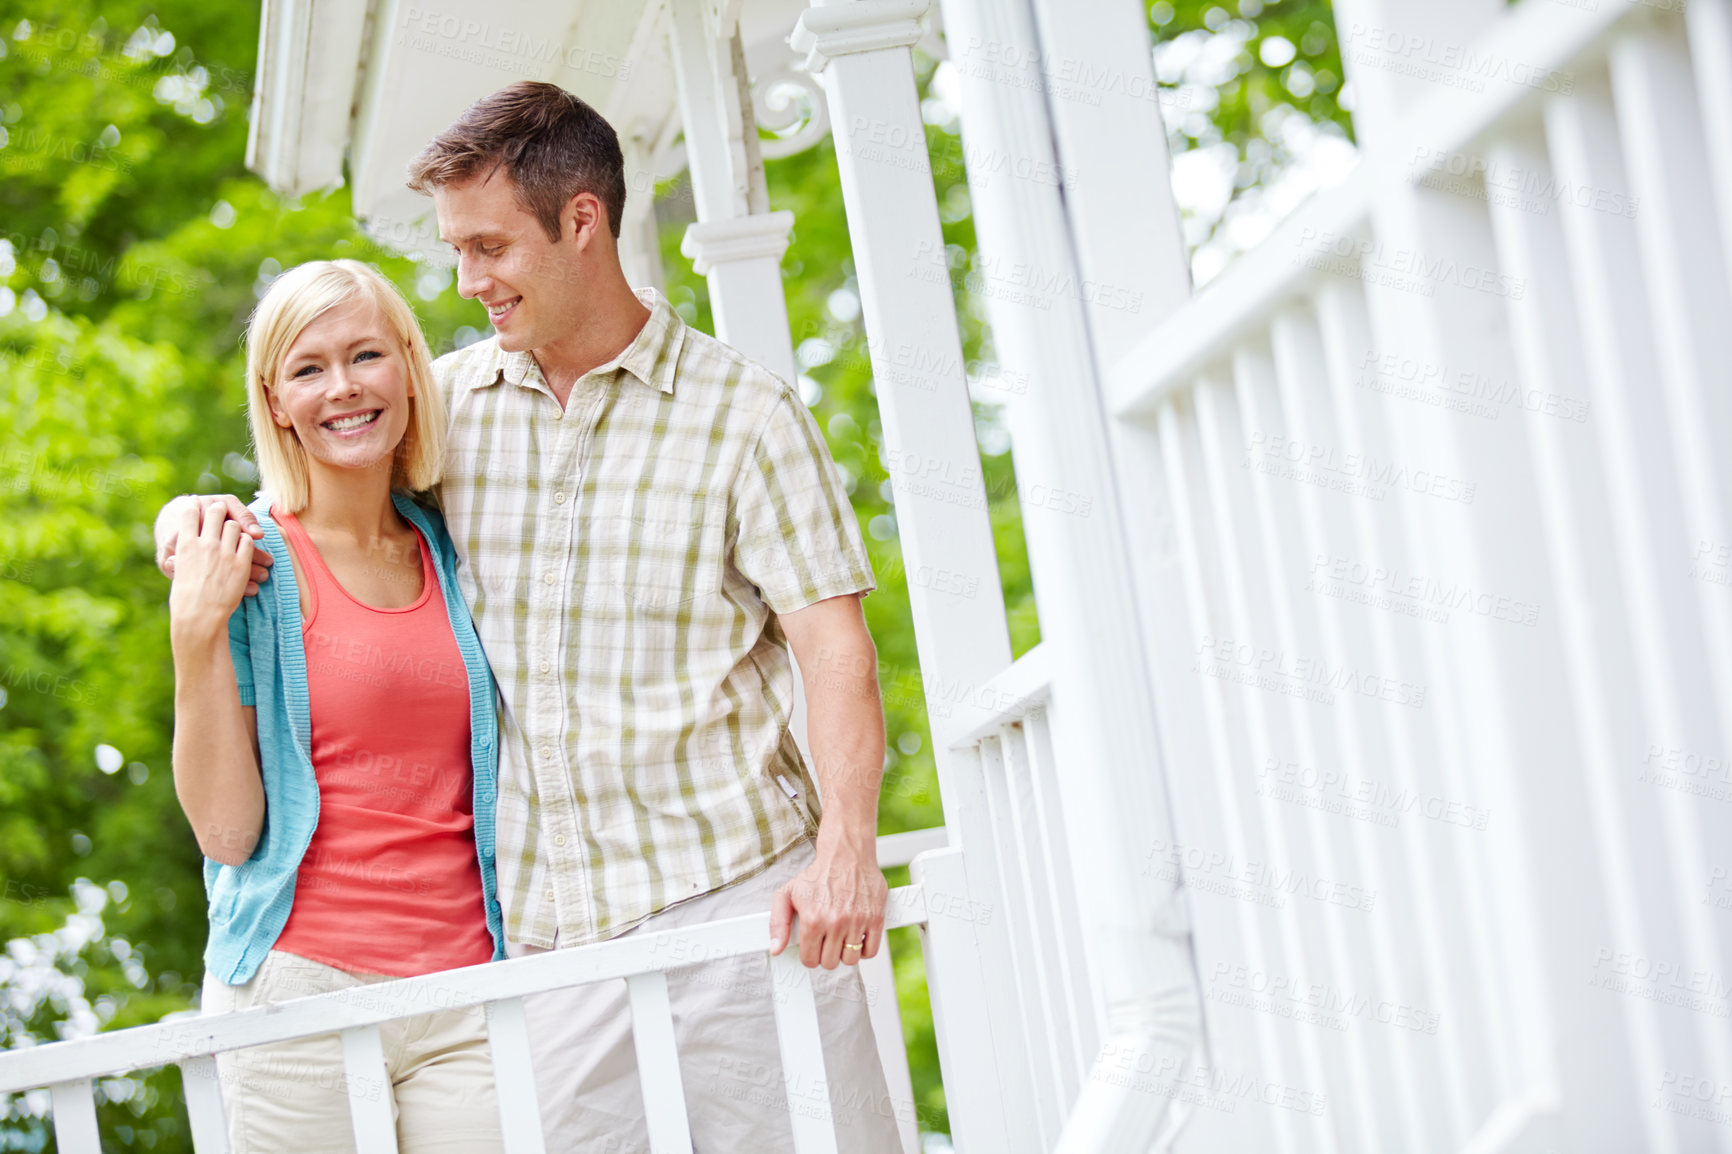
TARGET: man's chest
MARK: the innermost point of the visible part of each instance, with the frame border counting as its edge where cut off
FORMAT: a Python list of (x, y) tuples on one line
[(622, 493)]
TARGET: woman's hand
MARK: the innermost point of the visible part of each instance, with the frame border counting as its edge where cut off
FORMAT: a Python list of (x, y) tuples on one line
[(213, 563)]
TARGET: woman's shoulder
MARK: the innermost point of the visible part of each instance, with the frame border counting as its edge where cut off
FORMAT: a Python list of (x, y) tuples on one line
[(425, 515)]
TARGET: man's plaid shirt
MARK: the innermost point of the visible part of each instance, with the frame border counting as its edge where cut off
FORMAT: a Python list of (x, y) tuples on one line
[(624, 559)]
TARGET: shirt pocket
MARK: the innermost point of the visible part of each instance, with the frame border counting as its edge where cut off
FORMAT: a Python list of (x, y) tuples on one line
[(661, 550)]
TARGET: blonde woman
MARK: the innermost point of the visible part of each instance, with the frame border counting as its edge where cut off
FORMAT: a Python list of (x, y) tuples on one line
[(334, 736)]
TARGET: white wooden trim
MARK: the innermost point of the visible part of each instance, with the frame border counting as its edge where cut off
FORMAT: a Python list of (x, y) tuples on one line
[(1035, 1045), (74, 1106), (658, 1063), (201, 1089), (372, 1105), (803, 1078), (898, 849), (168, 1042), (878, 978), (986, 1112), (514, 1077), (1543, 36), (1023, 686), (1555, 341)]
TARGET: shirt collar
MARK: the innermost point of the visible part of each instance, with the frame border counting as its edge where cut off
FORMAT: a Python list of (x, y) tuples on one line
[(651, 356)]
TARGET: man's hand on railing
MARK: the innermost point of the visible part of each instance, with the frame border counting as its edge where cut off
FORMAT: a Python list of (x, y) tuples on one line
[(839, 900), (168, 523)]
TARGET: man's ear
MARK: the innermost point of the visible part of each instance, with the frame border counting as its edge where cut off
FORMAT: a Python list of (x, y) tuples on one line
[(584, 218)]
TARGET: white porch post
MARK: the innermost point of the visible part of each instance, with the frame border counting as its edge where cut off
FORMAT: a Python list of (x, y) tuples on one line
[(640, 254), (1134, 921), (736, 244), (861, 51)]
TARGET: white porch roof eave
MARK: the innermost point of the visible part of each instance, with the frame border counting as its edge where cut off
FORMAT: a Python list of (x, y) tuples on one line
[(370, 83)]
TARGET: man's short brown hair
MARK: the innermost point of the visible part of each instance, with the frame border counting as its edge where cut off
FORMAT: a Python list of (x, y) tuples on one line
[(551, 144)]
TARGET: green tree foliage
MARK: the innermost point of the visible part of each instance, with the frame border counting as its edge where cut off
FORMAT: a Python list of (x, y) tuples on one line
[(133, 246)]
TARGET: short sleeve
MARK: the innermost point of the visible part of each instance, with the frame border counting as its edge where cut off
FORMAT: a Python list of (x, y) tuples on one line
[(798, 540), (241, 653)]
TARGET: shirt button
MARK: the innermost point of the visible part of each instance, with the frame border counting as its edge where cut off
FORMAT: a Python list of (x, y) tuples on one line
[(559, 497), (559, 839), (545, 667), (548, 579), (546, 751), (548, 895)]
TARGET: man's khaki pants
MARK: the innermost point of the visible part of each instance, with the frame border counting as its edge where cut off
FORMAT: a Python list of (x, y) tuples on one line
[(738, 1097), (291, 1097)]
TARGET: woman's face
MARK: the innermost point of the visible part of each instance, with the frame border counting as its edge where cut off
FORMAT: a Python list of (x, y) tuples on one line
[(344, 388)]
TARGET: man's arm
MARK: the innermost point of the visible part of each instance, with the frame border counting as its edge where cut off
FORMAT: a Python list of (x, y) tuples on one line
[(840, 897), (168, 523)]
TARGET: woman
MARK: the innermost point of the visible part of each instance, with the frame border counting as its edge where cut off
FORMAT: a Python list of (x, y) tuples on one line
[(334, 736)]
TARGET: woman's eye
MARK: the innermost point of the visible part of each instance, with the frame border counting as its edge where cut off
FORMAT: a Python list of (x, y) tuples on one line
[(368, 354), (305, 369)]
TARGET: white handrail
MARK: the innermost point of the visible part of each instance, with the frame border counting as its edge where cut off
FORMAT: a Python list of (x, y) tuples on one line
[(1023, 686), (1547, 37), (177, 1040)]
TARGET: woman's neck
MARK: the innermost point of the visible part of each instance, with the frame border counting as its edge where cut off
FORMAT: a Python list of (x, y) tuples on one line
[(354, 504)]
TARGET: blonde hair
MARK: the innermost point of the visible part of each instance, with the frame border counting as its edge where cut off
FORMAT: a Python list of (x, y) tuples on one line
[(296, 299)]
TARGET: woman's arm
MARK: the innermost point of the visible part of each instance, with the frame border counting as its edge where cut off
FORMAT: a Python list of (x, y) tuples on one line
[(216, 761)]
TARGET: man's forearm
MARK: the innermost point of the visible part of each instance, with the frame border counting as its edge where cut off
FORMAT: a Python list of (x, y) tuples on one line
[(845, 726)]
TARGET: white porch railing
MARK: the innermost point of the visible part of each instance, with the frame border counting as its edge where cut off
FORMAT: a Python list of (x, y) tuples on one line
[(68, 1069), (1431, 538)]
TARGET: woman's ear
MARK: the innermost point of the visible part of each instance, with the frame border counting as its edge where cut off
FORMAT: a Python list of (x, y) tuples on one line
[(277, 414)]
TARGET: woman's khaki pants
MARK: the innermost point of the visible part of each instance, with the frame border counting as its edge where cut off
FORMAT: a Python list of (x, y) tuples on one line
[(290, 1097)]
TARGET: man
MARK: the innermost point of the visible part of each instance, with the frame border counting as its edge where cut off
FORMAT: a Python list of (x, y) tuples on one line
[(646, 522)]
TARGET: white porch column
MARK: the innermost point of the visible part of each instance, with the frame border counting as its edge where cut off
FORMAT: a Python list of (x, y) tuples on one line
[(736, 244), (640, 255), (1136, 925), (861, 51)]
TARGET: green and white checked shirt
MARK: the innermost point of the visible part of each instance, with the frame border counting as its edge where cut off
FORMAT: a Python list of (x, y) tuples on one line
[(624, 559)]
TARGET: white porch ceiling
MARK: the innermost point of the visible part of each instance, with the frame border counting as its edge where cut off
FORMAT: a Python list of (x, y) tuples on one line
[(372, 82)]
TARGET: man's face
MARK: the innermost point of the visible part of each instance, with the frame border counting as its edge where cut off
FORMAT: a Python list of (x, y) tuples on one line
[(533, 287)]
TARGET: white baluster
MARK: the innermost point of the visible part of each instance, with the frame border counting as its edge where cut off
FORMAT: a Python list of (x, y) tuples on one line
[(74, 1105), (878, 978), (203, 1092), (658, 1063), (802, 1048), (371, 1104), (514, 1078)]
